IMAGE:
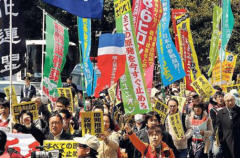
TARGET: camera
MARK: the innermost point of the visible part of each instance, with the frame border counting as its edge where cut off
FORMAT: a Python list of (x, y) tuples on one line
[(46, 154)]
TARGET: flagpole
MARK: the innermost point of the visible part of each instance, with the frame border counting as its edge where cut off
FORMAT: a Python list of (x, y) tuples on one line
[(220, 29), (10, 56), (43, 31)]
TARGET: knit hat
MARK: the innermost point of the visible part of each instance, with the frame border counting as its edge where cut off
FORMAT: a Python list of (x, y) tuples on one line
[(89, 140)]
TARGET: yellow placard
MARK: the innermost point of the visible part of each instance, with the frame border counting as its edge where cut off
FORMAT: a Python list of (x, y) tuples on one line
[(112, 94), (29, 106), (181, 102), (176, 125), (14, 96), (203, 87), (92, 123), (67, 92), (121, 7), (161, 109), (69, 147), (182, 89)]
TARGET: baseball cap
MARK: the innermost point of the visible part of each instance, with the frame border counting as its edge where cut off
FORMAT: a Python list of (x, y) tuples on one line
[(89, 140)]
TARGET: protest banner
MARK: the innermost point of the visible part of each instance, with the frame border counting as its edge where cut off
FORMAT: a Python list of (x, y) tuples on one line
[(67, 93), (161, 109), (25, 144), (92, 123), (133, 89), (68, 147), (29, 106), (181, 102), (113, 95), (176, 125), (203, 87), (182, 89), (14, 96)]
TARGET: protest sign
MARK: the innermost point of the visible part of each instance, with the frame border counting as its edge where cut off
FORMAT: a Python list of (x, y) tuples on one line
[(92, 123), (161, 109), (203, 87), (68, 147), (176, 125), (112, 94), (182, 89), (181, 102), (14, 96), (29, 106), (67, 92)]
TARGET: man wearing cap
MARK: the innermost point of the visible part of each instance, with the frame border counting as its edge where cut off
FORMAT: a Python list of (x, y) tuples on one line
[(28, 90), (88, 146), (4, 113)]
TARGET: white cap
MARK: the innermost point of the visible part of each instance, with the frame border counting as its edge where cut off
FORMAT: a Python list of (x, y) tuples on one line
[(89, 140), (139, 118)]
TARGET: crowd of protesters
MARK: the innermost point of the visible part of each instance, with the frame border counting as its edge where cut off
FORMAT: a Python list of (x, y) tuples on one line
[(211, 128)]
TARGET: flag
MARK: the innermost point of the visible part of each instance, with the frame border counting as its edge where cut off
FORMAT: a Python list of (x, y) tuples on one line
[(81, 8), (18, 40), (57, 41), (111, 60)]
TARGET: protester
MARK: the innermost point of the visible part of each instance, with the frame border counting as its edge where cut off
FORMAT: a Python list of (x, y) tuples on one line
[(28, 90), (66, 116), (228, 125), (4, 113), (199, 124), (61, 103), (56, 131), (88, 146), (71, 84), (156, 148)]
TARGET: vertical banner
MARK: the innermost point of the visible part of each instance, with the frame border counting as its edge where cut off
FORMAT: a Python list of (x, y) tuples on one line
[(146, 16), (227, 26), (14, 95), (18, 40), (176, 125), (112, 92), (161, 109), (214, 47), (168, 57), (67, 93), (84, 35), (57, 41), (92, 123), (186, 49), (134, 93)]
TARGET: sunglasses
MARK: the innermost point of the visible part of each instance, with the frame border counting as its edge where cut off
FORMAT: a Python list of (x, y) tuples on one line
[(82, 146)]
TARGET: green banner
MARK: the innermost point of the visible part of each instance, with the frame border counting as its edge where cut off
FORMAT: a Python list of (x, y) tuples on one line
[(57, 41), (214, 47), (132, 84)]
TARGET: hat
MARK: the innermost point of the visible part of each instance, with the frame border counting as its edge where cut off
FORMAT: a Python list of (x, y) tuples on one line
[(27, 78), (139, 118), (234, 92), (174, 89), (89, 140)]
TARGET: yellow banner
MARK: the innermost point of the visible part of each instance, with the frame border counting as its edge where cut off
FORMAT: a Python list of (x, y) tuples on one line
[(176, 125), (67, 92), (113, 95), (14, 95), (121, 7), (182, 89), (203, 87), (181, 102), (92, 123), (161, 109), (69, 147), (29, 106)]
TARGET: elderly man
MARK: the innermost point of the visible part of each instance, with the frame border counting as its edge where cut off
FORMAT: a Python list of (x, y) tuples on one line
[(228, 123)]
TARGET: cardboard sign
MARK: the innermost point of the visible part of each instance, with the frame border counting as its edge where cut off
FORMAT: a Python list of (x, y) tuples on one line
[(67, 92), (203, 87), (181, 102), (92, 123), (14, 95), (161, 109), (176, 125), (29, 106), (69, 147)]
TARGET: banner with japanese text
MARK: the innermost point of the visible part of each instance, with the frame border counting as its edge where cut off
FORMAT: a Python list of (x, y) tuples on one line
[(14, 95), (57, 41), (18, 39), (134, 94), (168, 57), (161, 109), (187, 50), (29, 106), (69, 147), (112, 92), (203, 87), (176, 125), (92, 123), (84, 35), (25, 144), (215, 40), (67, 93), (222, 72), (146, 16)]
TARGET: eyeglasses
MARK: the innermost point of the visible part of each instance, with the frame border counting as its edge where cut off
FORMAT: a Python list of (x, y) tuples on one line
[(82, 146)]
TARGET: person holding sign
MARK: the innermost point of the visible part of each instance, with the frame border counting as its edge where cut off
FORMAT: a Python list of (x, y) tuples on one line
[(4, 113), (171, 127), (109, 143), (200, 126)]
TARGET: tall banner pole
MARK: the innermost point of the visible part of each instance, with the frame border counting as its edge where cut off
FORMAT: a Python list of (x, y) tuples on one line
[(43, 31), (220, 29), (10, 54)]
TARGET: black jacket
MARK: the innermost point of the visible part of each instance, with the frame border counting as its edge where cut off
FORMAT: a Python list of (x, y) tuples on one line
[(63, 136), (28, 92)]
